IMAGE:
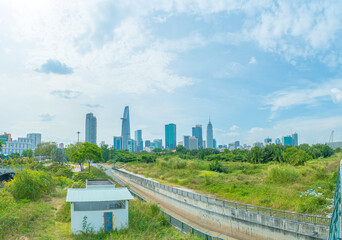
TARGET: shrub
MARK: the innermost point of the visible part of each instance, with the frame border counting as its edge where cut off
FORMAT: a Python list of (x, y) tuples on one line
[(217, 166), (282, 175), (30, 185)]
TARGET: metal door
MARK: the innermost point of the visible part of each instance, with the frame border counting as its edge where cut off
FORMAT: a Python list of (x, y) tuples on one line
[(108, 221)]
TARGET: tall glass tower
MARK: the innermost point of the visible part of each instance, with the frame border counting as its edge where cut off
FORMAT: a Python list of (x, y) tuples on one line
[(139, 140), (125, 130), (197, 132), (170, 136), (210, 137), (90, 130)]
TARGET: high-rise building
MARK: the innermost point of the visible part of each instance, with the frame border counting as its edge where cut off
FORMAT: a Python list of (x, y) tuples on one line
[(277, 141), (193, 143), (139, 140), (236, 144), (90, 128), (258, 144), (210, 136), (170, 136), (295, 139), (132, 145), (287, 140), (204, 144), (267, 141), (147, 143), (125, 130), (118, 143), (214, 143), (157, 143), (197, 132), (186, 141)]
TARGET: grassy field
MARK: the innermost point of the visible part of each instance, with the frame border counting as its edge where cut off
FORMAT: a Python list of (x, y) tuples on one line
[(48, 217), (305, 189)]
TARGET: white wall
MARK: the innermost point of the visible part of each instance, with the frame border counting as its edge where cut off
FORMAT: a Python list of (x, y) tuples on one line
[(95, 219)]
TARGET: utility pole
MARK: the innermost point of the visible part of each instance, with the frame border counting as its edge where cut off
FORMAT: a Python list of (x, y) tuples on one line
[(78, 136)]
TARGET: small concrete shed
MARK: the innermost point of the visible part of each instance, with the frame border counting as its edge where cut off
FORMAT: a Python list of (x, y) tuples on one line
[(98, 206)]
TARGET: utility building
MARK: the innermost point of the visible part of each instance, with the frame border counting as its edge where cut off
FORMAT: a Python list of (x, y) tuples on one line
[(98, 206)]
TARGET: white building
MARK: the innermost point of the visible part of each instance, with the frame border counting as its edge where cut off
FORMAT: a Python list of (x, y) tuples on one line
[(98, 206), (22, 144)]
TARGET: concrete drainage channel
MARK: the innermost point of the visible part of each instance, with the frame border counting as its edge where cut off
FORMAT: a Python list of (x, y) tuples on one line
[(175, 222)]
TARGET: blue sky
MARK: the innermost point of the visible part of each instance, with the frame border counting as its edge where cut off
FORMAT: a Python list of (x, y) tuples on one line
[(257, 68)]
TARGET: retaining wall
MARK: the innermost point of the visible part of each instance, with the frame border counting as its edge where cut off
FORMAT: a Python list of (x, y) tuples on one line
[(233, 221)]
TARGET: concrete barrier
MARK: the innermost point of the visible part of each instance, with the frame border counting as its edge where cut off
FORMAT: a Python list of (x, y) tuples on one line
[(233, 221)]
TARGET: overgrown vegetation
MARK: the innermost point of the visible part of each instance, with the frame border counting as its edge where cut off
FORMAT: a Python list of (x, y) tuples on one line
[(275, 184), (33, 205)]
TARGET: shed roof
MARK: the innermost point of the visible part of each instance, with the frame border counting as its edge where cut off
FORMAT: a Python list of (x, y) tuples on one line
[(98, 195)]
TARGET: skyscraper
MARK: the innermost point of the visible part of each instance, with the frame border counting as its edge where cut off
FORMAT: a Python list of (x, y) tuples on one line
[(147, 143), (139, 140), (197, 132), (287, 140), (170, 136), (125, 130), (295, 139), (118, 143), (90, 128), (214, 143), (186, 141), (210, 137)]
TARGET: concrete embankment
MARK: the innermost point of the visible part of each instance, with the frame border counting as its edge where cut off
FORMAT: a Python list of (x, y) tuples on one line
[(228, 221)]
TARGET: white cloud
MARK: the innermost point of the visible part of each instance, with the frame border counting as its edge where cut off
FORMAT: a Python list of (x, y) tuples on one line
[(297, 28), (252, 60), (336, 95), (255, 130), (284, 99), (233, 128)]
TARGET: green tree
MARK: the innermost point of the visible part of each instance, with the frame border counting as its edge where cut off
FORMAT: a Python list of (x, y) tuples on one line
[(1, 142), (45, 149), (295, 156), (58, 155), (27, 153), (105, 152), (86, 152)]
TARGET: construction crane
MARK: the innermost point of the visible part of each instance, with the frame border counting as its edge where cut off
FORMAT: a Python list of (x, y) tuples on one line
[(331, 139)]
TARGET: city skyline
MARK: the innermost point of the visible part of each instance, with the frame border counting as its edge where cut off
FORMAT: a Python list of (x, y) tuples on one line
[(257, 68)]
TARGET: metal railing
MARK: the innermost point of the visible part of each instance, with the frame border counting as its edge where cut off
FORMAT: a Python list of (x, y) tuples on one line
[(335, 225), (179, 224), (299, 217)]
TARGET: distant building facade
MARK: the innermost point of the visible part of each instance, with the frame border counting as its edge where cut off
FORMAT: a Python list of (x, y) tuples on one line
[(186, 142), (22, 144), (132, 145), (210, 136), (157, 143), (214, 143), (139, 140), (147, 143), (193, 143), (295, 139), (197, 132), (90, 129), (125, 129), (287, 140), (170, 136), (268, 141), (118, 143)]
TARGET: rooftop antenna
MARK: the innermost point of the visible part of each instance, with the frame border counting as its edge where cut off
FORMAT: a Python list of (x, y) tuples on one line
[(78, 136)]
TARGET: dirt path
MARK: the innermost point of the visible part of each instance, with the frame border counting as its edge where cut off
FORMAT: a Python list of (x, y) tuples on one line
[(194, 221), (57, 203)]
